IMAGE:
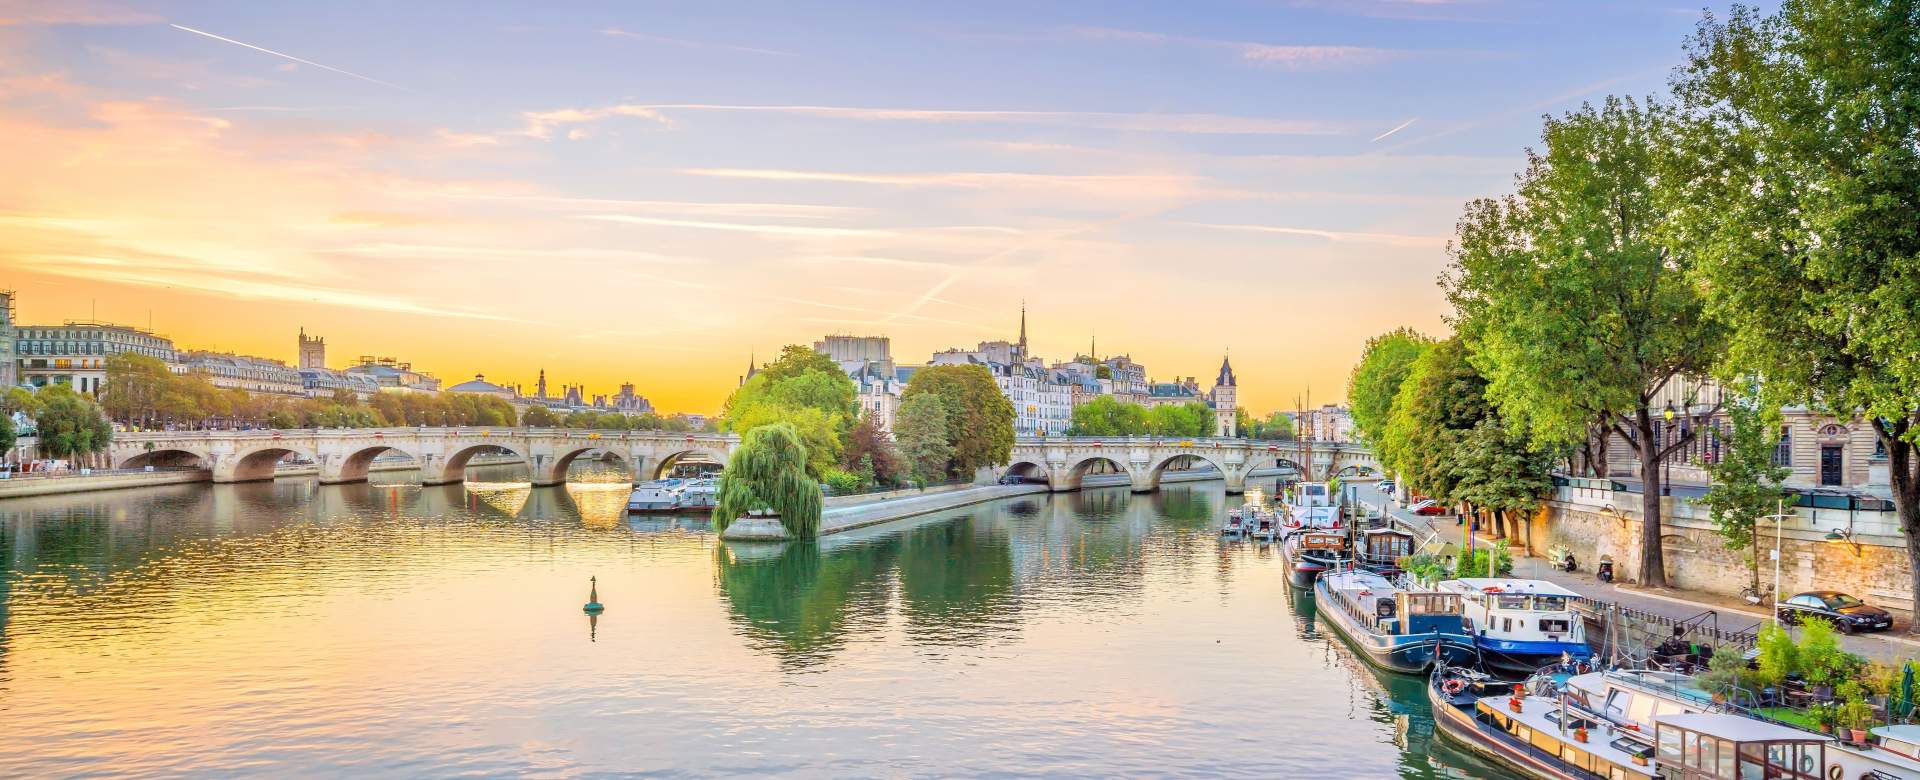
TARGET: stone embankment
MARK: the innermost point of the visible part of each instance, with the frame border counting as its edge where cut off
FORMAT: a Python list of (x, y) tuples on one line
[(21, 486)]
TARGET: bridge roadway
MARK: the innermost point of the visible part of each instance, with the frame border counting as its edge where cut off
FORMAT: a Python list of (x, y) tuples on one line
[(442, 454)]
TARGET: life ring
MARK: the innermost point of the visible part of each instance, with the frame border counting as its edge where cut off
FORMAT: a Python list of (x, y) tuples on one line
[(1490, 589), (1453, 686)]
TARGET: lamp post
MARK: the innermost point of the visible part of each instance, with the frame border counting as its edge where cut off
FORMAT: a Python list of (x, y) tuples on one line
[(1779, 516)]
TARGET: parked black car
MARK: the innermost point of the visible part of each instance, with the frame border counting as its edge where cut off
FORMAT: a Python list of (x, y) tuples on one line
[(1847, 613)]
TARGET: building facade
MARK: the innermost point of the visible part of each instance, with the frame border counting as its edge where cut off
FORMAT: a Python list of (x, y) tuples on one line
[(1224, 398), (323, 382), (255, 375), (75, 353), (394, 375), (9, 368)]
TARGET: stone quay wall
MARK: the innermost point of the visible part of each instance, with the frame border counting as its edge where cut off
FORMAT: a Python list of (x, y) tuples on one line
[(1593, 522)]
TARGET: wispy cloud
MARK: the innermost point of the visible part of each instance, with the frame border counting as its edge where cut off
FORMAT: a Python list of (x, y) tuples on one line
[(54, 12), (1338, 236), (1272, 54), (739, 227), (1396, 128), (286, 56), (1098, 183), (686, 207), (616, 32), (546, 254), (540, 124)]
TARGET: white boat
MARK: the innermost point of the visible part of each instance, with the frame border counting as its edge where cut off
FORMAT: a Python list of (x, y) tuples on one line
[(699, 495), (1635, 699), (1521, 625), (660, 495), (1312, 505)]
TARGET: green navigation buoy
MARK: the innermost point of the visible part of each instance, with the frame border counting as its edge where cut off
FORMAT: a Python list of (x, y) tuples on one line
[(593, 606)]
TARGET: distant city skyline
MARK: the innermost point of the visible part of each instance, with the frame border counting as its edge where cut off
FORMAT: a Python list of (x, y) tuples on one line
[(652, 194)]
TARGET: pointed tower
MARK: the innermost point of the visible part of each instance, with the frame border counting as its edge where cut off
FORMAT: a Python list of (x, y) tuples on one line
[(540, 388), (751, 370), (1225, 394), (1023, 330)]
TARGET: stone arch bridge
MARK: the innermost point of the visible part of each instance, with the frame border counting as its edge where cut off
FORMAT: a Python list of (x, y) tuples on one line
[(1062, 461), (441, 454)]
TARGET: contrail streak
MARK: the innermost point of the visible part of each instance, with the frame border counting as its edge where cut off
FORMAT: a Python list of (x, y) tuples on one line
[(1396, 129), (285, 56)]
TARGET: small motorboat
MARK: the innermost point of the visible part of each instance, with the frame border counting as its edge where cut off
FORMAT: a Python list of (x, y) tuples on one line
[(1236, 525), (1264, 530)]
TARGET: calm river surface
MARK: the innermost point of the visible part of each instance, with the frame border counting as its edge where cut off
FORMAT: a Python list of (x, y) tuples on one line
[(289, 629)]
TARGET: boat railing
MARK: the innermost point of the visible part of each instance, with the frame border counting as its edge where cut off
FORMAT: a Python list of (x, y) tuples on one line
[(1600, 611), (1533, 751)]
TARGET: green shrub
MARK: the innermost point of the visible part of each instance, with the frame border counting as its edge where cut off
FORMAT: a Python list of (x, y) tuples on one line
[(841, 481), (1779, 656)]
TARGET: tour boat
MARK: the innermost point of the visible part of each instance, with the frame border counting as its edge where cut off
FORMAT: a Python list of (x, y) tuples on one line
[(661, 495), (1555, 737), (1636, 698), (1311, 553), (1395, 628), (1521, 625)]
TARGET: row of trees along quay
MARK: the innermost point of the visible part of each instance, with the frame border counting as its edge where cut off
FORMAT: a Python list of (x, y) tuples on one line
[(1108, 416), (1756, 225), (141, 392)]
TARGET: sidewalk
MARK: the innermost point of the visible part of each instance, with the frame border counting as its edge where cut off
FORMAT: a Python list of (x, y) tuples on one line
[(1733, 613)]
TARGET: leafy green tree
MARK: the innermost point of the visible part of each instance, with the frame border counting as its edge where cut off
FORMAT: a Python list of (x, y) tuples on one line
[(1572, 305), (870, 451), (20, 400), (1276, 426), (1103, 415), (1191, 419), (538, 416), (805, 389), (1375, 380), (920, 432), (1439, 404), (70, 424), (7, 434), (136, 385), (768, 472), (1746, 483), (980, 426), (1499, 469), (1804, 179)]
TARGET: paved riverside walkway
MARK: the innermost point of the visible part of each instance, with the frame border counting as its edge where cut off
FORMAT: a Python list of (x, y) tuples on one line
[(1734, 614)]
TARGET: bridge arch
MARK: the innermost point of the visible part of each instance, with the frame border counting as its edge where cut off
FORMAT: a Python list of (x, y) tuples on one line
[(166, 458), (1077, 472), (358, 465), (258, 464), (1160, 469), (554, 471), (1030, 471), (665, 464), (453, 467)]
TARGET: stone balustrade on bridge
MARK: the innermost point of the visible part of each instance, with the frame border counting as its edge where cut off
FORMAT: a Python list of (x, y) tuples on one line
[(1062, 461), (442, 454)]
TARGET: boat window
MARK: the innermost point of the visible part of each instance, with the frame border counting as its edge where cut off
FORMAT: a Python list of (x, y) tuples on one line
[(1690, 749), (1617, 701), (1550, 603), (1555, 626), (1513, 602), (1723, 766), (1506, 624), (1670, 746)]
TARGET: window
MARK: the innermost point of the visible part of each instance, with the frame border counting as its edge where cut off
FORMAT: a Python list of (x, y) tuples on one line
[(1783, 451)]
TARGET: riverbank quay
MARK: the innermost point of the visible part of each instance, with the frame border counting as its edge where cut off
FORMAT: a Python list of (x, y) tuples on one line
[(879, 508), (1671, 604)]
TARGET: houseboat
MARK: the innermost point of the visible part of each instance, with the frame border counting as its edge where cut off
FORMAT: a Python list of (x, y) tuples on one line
[(1311, 505), (1521, 625), (1394, 628), (1552, 737), (1311, 553), (1636, 698), (1382, 550)]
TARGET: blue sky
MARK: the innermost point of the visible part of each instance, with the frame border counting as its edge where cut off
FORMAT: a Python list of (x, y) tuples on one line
[(652, 191)]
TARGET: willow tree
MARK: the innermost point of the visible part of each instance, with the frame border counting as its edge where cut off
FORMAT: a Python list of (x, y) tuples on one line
[(768, 472), (1804, 134), (1573, 307)]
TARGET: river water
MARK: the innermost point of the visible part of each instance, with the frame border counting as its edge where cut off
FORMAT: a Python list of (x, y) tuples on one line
[(289, 629)]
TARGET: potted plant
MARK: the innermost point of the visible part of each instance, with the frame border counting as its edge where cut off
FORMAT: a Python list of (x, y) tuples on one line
[(1854, 714), (1823, 714)]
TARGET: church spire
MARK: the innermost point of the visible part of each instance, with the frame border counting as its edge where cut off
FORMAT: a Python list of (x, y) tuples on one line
[(1023, 328)]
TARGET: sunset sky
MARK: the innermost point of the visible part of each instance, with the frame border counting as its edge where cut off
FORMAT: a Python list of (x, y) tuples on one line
[(650, 192)]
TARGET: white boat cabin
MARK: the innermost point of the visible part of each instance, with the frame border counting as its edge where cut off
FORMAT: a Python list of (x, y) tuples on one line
[(1515, 610)]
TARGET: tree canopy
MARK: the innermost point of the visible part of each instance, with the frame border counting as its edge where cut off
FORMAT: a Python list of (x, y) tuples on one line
[(920, 431), (806, 390), (1571, 303), (70, 424), (768, 472), (1104, 415), (1802, 179), (1375, 380), (980, 418), (1746, 483)]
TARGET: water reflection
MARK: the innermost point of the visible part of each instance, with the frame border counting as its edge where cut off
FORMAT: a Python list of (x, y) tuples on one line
[(389, 629)]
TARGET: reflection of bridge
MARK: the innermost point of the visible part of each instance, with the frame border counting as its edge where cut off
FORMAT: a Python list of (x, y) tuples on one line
[(1063, 461), (441, 454), (344, 455)]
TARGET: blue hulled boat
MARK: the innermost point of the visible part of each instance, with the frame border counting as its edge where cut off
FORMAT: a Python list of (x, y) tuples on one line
[(1394, 628)]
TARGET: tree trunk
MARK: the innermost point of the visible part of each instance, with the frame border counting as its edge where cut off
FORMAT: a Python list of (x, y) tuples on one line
[(1601, 468), (1653, 564), (1903, 472)]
